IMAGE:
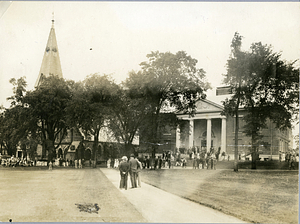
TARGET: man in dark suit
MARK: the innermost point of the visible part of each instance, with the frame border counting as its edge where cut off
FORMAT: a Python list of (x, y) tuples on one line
[(133, 165), (124, 169)]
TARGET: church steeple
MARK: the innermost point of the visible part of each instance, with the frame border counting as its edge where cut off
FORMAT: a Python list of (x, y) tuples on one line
[(51, 62)]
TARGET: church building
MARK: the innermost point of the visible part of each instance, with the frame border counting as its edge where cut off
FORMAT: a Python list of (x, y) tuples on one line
[(75, 144)]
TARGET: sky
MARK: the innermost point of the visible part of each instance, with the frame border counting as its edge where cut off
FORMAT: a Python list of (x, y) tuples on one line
[(115, 37)]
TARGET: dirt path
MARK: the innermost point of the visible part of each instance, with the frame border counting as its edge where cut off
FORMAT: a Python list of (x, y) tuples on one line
[(160, 206)]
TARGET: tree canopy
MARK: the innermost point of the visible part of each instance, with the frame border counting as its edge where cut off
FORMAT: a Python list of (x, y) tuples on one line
[(167, 81), (264, 85), (46, 109), (89, 108)]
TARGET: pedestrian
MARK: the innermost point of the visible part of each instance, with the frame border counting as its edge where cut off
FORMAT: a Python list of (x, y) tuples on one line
[(50, 165), (79, 164), (292, 161), (213, 161), (208, 160), (172, 161), (147, 162), (159, 162), (133, 165), (155, 162), (218, 153), (183, 163), (198, 160), (288, 157), (124, 169), (108, 163), (202, 159), (195, 162), (116, 164), (223, 155), (280, 158)]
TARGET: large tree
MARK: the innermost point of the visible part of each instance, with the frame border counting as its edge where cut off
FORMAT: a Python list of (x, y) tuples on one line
[(265, 86), (89, 109), (126, 118), (46, 109), (12, 128), (14, 120), (167, 80)]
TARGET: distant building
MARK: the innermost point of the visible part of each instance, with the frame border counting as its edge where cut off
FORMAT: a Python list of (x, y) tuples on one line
[(75, 144), (208, 128)]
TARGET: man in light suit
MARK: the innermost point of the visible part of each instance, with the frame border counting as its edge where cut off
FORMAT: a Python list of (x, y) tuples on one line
[(133, 165)]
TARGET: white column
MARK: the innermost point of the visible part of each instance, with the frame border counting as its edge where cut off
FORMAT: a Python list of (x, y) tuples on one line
[(208, 132), (178, 137), (223, 135), (191, 136)]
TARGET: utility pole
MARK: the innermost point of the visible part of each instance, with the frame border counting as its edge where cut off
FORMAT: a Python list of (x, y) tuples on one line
[(226, 91), (236, 136)]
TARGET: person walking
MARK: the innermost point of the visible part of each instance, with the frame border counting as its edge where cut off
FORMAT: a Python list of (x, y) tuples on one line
[(124, 169), (133, 165)]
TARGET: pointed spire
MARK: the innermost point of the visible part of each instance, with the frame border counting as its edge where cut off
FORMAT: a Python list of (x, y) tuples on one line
[(51, 62)]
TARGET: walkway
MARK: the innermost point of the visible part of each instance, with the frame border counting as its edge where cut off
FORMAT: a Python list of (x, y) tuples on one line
[(160, 206)]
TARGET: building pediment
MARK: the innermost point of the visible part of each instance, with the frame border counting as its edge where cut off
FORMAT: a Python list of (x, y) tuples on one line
[(206, 106)]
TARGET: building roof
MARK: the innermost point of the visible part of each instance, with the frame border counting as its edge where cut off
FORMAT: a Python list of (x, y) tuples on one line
[(51, 62), (205, 106)]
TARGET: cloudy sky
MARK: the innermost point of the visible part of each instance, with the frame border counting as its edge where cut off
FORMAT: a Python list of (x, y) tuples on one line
[(115, 37)]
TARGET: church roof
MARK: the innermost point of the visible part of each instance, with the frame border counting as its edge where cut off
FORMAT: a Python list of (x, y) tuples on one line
[(51, 62)]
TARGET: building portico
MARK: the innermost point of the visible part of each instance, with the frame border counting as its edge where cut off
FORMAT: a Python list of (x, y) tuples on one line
[(207, 128)]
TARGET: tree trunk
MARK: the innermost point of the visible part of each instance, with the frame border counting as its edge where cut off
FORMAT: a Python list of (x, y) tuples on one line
[(50, 147), (95, 148), (128, 149), (254, 156), (44, 148)]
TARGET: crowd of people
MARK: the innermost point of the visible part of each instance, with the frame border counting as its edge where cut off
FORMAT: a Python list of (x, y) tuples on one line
[(13, 162), (291, 157)]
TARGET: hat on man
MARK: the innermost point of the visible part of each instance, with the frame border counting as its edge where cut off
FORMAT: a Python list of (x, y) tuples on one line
[(132, 155), (124, 158)]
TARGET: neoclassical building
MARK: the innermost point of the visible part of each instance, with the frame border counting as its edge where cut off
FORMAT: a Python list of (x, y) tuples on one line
[(208, 128)]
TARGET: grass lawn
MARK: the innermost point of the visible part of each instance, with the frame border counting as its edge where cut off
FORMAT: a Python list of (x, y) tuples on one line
[(255, 196)]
